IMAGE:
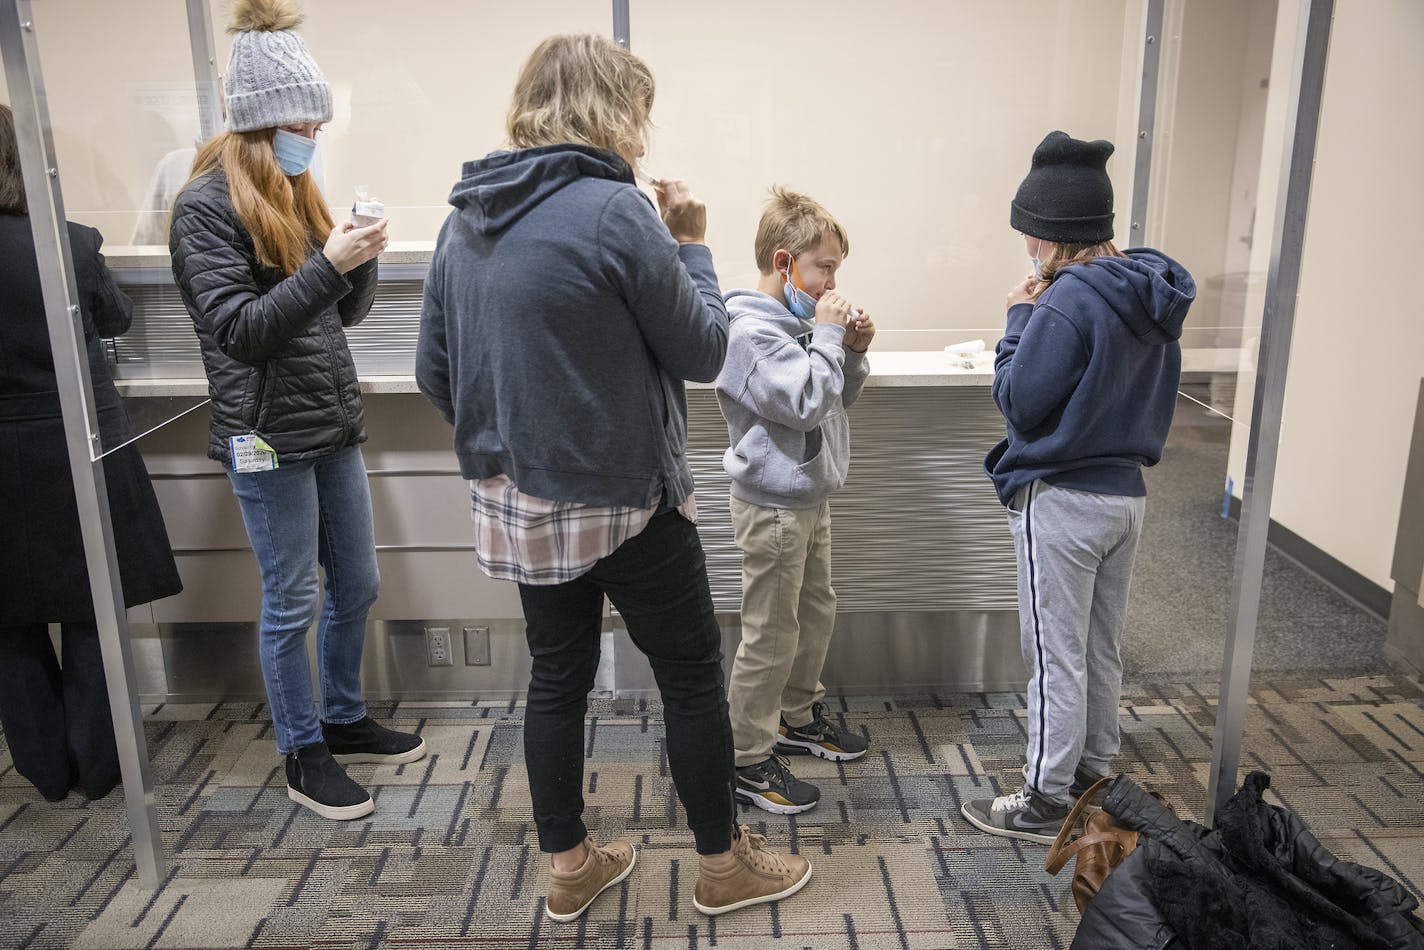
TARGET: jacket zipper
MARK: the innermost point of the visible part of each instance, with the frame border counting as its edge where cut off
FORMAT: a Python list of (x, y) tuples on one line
[(261, 395)]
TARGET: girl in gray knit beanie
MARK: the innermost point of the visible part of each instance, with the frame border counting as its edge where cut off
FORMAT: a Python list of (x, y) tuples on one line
[(272, 79), (271, 284)]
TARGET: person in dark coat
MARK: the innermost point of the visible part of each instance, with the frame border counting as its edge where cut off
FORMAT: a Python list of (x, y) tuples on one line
[(55, 712)]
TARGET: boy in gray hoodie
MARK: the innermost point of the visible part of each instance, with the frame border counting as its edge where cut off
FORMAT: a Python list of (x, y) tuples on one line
[(795, 362)]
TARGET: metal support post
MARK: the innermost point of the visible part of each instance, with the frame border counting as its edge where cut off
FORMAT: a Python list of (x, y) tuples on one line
[(81, 424), (1146, 122), (1277, 324), (620, 23), (205, 69)]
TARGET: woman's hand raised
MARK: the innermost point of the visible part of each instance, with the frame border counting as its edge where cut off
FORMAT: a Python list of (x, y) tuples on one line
[(684, 215), (348, 247)]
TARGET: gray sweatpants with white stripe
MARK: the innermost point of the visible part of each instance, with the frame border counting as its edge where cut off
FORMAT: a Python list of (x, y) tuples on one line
[(1075, 551)]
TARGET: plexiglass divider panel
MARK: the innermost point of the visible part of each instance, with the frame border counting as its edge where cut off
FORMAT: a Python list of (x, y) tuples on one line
[(912, 124), (124, 106), (417, 95)]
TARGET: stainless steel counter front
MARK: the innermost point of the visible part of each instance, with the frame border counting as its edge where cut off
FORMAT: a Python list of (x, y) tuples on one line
[(923, 560)]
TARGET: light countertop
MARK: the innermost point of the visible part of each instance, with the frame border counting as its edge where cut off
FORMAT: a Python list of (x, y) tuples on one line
[(886, 369), (144, 256), (891, 368)]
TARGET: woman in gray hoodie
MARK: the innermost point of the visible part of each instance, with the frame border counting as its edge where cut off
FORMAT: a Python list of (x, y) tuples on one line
[(562, 316)]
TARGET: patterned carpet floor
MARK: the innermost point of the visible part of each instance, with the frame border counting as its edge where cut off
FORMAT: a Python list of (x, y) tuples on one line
[(449, 858)]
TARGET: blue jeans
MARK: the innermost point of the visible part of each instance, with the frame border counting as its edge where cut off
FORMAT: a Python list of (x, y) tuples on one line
[(298, 516)]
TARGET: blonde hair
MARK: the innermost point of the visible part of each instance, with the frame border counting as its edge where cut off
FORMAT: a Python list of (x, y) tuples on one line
[(796, 223), (582, 89), (1066, 255), (284, 216)]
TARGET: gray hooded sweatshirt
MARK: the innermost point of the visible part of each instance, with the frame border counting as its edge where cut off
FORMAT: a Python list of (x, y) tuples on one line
[(559, 323), (785, 405)]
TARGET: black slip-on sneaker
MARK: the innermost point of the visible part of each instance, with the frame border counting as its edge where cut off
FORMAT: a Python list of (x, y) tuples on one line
[(366, 740), (317, 781)]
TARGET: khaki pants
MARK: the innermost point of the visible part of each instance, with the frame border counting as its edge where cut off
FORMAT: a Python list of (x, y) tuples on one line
[(788, 614)]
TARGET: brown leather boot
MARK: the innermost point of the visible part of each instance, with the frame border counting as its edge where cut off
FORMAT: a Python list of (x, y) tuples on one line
[(570, 892), (750, 874)]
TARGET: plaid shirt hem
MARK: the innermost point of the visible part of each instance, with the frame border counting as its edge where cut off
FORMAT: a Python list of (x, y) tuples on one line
[(535, 541)]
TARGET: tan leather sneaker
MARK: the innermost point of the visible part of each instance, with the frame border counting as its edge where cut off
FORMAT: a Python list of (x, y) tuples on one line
[(749, 875), (570, 892)]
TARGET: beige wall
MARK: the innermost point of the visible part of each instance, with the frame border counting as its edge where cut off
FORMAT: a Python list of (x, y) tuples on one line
[(416, 96), (914, 127), (913, 123), (1358, 352), (119, 82)]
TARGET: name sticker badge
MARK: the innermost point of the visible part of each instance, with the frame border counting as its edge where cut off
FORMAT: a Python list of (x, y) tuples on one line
[(251, 454)]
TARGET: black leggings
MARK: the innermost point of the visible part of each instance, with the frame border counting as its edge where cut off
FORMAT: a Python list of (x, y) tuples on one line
[(658, 582)]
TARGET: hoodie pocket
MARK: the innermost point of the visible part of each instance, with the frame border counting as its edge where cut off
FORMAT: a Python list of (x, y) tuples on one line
[(824, 471)]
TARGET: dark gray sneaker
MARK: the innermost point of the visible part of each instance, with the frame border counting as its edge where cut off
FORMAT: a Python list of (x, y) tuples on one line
[(366, 740), (770, 786), (820, 737), (316, 781), (1025, 815), (1084, 778)]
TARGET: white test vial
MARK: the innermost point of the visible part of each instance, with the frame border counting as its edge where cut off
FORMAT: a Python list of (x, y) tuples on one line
[(367, 210)]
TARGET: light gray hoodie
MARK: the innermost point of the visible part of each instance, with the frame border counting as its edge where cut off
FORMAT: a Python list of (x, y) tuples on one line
[(785, 406)]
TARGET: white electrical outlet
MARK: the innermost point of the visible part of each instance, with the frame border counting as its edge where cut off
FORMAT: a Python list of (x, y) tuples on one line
[(437, 646)]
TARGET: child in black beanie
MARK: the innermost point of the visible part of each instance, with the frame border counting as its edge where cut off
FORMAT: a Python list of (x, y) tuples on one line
[(1086, 377)]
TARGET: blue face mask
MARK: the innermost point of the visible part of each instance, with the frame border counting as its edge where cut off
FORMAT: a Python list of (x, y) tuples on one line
[(1037, 267), (798, 301), (293, 151)]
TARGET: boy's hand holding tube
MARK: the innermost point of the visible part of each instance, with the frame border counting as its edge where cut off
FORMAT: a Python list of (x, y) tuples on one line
[(859, 332), (833, 308)]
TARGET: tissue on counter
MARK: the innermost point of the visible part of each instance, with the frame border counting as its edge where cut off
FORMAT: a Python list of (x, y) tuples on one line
[(964, 351), (962, 354)]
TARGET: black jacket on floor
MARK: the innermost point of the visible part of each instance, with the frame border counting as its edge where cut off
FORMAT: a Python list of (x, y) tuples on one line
[(1259, 881)]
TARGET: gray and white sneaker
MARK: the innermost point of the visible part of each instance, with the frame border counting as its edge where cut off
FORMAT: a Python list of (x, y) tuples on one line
[(1025, 815)]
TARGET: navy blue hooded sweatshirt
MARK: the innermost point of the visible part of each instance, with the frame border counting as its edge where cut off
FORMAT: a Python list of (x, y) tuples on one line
[(559, 323), (1087, 377)]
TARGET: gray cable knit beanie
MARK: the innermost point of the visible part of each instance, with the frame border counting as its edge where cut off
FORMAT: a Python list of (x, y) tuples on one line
[(271, 78)]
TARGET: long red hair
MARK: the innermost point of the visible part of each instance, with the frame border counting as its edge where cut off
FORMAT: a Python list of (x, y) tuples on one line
[(284, 216)]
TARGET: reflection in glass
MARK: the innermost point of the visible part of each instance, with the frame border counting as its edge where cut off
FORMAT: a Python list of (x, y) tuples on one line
[(417, 96), (123, 107)]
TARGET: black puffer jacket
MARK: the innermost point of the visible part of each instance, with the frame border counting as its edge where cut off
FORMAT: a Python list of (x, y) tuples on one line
[(1259, 881), (273, 346)]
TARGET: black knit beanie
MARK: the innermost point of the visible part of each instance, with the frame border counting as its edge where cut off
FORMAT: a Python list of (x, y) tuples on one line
[(1067, 197)]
